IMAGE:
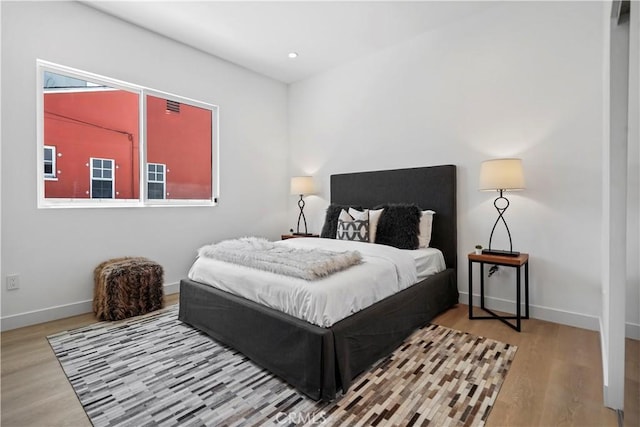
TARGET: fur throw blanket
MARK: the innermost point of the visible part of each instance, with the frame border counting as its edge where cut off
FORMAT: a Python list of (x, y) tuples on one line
[(308, 264)]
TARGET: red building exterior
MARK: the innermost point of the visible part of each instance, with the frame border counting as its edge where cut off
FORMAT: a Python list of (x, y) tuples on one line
[(92, 146), (182, 141)]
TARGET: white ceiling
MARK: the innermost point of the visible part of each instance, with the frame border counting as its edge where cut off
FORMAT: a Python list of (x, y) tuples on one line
[(259, 35)]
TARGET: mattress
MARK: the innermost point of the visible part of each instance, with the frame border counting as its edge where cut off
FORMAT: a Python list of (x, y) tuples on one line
[(384, 271)]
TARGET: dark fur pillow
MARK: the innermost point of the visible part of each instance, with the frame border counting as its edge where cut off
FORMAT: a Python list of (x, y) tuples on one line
[(330, 227), (399, 226)]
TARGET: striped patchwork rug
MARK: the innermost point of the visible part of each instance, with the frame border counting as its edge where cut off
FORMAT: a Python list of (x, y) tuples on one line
[(155, 370)]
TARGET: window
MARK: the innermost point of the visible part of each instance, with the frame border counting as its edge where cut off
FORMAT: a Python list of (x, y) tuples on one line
[(155, 180), (49, 162), (123, 136), (102, 182), (180, 134)]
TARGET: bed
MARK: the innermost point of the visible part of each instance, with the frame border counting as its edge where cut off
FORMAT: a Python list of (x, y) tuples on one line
[(323, 361)]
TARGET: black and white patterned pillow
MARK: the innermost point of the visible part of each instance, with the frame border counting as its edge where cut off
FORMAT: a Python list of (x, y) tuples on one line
[(356, 230)]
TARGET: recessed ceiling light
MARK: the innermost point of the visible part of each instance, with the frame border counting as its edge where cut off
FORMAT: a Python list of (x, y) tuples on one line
[(293, 55)]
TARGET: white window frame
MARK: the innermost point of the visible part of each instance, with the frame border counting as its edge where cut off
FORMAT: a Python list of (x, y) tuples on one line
[(53, 176), (112, 179), (141, 91), (155, 181)]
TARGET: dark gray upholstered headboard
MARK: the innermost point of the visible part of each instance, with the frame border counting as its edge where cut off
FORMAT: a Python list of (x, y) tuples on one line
[(429, 187)]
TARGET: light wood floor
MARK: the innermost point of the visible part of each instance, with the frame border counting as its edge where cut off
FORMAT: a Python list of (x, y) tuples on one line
[(555, 379), (556, 376)]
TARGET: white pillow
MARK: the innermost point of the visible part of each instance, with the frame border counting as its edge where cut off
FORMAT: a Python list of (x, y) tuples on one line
[(344, 216), (374, 217), (358, 215), (426, 223), (355, 229)]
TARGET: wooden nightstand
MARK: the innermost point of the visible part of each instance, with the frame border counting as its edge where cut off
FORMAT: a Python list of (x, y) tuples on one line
[(507, 261), (293, 236)]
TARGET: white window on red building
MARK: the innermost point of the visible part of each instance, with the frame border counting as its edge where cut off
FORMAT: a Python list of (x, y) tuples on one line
[(156, 179), (49, 162), (102, 180)]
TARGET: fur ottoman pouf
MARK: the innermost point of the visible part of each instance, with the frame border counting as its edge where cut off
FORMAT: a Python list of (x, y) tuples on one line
[(126, 287)]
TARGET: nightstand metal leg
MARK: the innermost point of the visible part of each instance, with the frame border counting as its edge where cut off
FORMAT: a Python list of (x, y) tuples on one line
[(470, 289), (518, 308), (482, 285), (526, 289)]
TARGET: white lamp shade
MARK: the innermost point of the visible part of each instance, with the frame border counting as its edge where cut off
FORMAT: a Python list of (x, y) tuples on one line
[(302, 185), (502, 174)]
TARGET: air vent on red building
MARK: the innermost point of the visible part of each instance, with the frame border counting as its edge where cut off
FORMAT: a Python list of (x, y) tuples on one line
[(173, 106)]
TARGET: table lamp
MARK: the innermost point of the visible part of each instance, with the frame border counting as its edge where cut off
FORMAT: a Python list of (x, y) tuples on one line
[(501, 175), (302, 185)]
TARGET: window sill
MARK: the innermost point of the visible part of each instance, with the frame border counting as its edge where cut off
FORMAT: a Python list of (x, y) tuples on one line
[(119, 203)]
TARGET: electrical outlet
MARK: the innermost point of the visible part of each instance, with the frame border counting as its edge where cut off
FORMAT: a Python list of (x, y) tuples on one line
[(13, 281)]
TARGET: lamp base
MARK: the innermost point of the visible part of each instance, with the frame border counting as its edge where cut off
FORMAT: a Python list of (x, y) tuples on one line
[(498, 252), (303, 234)]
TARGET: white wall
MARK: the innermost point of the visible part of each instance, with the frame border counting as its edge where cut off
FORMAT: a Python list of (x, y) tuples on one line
[(633, 167), (521, 79), (55, 251)]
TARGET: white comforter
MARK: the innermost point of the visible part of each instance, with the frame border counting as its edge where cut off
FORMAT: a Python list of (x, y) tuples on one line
[(385, 270)]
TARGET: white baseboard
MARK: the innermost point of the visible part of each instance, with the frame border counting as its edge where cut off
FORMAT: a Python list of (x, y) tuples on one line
[(632, 330), (60, 311), (564, 317), (172, 288), (579, 320)]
